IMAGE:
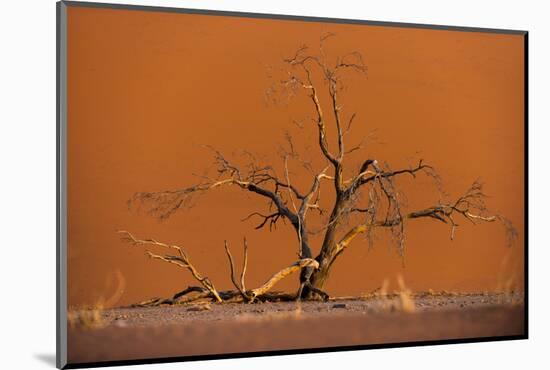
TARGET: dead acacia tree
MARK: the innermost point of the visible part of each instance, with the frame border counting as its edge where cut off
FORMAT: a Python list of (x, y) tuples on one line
[(366, 198)]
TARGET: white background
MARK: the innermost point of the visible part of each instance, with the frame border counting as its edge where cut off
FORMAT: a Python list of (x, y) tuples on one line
[(27, 182)]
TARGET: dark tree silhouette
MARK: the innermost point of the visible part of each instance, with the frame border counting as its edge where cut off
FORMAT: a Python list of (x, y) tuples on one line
[(370, 193)]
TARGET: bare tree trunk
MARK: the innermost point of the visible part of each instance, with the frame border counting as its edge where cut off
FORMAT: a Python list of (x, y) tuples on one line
[(318, 277), (329, 251)]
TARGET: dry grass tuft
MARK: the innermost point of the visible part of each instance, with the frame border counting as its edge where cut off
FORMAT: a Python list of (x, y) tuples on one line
[(405, 296), (87, 317), (400, 300)]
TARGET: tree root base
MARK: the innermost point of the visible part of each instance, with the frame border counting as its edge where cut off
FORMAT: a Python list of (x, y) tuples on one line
[(228, 296)]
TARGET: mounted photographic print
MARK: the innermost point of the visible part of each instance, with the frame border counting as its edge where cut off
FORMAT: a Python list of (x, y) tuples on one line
[(235, 184)]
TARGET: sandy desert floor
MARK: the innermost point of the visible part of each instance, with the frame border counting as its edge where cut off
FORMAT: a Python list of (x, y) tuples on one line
[(207, 329)]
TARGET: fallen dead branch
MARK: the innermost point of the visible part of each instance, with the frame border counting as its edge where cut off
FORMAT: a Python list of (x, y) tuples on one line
[(182, 260), (298, 265), (208, 291)]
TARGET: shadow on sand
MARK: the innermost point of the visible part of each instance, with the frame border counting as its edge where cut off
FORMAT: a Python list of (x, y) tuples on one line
[(47, 358)]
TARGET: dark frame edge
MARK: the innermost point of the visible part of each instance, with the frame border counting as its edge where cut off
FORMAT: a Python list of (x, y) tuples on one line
[(526, 179), (291, 352), (61, 185), (288, 17)]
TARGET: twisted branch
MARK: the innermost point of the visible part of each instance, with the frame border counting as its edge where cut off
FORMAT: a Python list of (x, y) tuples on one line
[(182, 260), (471, 206), (296, 266), (241, 287)]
